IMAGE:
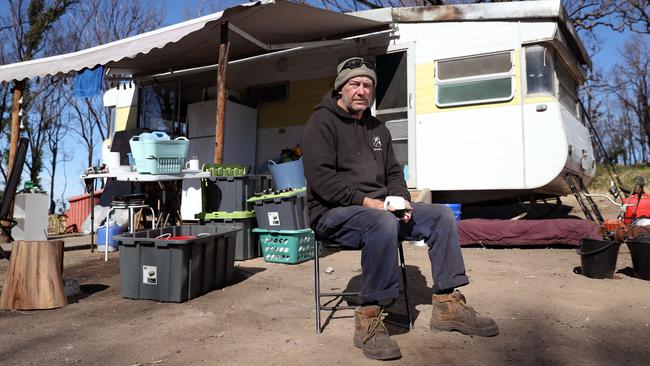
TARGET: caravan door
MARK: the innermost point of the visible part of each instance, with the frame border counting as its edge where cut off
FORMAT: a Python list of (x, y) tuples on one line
[(394, 104)]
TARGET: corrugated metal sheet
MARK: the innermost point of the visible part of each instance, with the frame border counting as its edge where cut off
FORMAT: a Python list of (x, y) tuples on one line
[(80, 208)]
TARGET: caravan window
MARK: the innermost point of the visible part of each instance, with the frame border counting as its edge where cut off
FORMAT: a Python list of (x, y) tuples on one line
[(158, 107), (475, 79), (567, 89), (539, 70)]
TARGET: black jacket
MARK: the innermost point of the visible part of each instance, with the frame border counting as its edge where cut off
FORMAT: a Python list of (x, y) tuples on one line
[(347, 159)]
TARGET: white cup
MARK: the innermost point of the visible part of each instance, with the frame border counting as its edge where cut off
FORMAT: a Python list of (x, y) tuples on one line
[(192, 164), (396, 202)]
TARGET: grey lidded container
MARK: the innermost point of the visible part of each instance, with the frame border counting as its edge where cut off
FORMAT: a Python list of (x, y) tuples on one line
[(228, 193), (247, 246), (282, 211), (262, 182), (176, 270)]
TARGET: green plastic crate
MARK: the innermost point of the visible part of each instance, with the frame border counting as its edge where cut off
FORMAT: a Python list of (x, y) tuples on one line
[(287, 246), (221, 170), (224, 215), (159, 156)]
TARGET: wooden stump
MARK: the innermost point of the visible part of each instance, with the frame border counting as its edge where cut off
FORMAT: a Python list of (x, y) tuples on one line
[(33, 279)]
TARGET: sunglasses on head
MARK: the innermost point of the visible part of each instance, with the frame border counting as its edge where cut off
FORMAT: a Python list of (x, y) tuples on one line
[(358, 62)]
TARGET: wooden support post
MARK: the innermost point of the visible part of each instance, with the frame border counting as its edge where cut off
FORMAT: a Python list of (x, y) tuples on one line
[(15, 122), (219, 128), (33, 279)]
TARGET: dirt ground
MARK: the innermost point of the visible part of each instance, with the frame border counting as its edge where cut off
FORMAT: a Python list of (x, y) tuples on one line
[(547, 314)]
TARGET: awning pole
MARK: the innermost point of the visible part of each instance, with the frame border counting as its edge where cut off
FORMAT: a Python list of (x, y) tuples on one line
[(15, 122), (224, 46)]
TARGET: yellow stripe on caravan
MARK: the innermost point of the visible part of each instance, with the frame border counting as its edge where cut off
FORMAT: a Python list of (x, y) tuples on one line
[(425, 90), (425, 100), (540, 99), (295, 111), (125, 118)]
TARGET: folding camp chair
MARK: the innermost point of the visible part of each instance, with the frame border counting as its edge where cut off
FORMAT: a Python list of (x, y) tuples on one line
[(6, 222), (320, 306)]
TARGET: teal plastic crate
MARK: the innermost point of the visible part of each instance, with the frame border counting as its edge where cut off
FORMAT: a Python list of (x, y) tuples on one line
[(159, 156), (287, 246)]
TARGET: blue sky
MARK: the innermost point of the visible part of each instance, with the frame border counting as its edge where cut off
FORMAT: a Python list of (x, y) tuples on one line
[(68, 174)]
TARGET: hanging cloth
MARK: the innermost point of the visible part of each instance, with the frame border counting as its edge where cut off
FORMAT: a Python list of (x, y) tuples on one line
[(88, 83)]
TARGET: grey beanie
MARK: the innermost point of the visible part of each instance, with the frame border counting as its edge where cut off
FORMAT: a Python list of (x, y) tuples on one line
[(346, 74)]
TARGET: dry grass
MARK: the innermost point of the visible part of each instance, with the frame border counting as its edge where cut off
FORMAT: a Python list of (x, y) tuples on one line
[(601, 182)]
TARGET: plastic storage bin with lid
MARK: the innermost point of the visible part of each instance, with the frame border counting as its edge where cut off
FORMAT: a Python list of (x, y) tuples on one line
[(176, 263), (285, 210)]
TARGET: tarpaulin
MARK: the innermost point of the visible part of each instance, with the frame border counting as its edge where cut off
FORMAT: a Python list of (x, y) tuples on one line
[(527, 232)]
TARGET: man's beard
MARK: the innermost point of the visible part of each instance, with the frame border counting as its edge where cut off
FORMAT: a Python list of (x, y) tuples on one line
[(348, 104)]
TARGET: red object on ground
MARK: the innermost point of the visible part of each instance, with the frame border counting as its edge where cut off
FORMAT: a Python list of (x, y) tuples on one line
[(636, 211), (181, 237), (80, 208)]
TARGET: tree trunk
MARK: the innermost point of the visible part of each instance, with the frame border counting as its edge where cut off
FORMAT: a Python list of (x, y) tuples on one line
[(15, 122), (55, 152), (33, 280)]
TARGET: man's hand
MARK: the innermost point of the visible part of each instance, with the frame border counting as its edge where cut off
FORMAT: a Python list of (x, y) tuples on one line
[(373, 203), (407, 214), (379, 204)]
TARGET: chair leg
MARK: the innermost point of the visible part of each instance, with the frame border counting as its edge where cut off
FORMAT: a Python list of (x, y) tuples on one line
[(406, 292), (4, 254), (317, 286), (153, 218)]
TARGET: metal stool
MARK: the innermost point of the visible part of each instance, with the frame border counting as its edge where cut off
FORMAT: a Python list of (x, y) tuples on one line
[(320, 243), (131, 203)]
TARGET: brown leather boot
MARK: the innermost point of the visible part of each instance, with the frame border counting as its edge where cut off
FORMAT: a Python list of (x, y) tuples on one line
[(450, 312), (371, 335)]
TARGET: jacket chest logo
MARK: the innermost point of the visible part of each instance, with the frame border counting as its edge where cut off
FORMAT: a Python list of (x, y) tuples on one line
[(376, 142)]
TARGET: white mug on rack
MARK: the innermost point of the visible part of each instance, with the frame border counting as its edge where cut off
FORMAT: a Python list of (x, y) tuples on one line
[(192, 164)]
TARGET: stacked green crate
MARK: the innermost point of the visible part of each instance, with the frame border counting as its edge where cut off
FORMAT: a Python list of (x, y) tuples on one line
[(283, 223), (287, 246), (224, 197)]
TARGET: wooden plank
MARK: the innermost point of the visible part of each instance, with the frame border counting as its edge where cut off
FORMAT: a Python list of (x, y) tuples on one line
[(224, 46)]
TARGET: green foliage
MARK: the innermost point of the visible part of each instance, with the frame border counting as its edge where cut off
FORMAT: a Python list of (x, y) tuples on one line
[(601, 181), (41, 19)]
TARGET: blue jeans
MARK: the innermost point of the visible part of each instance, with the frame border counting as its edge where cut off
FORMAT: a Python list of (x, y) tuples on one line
[(378, 232)]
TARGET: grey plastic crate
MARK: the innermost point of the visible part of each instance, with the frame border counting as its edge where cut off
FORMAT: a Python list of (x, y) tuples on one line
[(176, 270), (262, 182), (248, 246), (283, 211), (228, 193)]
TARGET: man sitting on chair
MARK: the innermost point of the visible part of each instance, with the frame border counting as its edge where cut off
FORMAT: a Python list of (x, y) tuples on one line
[(350, 169)]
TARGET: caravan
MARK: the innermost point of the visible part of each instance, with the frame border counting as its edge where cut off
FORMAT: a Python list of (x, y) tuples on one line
[(481, 100)]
